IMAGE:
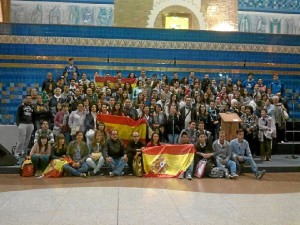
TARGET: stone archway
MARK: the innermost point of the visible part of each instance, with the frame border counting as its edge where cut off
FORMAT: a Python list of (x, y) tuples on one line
[(192, 7)]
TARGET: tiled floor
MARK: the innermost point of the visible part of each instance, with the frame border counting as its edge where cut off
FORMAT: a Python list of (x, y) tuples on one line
[(137, 201)]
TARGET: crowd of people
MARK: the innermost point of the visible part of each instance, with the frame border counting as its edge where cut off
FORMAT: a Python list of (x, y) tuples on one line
[(62, 120)]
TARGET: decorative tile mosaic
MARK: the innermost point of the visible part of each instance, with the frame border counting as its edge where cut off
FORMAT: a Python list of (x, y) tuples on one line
[(126, 43), (286, 5)]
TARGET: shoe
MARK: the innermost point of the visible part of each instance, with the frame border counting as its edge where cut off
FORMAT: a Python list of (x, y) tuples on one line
[(38, 173), (188, 176), (260, 174), (180, 176), (91, 173), (282, 142), (83, 175), (269, 159), (262, 158), (234, 176), (111, 174), (228, 176)]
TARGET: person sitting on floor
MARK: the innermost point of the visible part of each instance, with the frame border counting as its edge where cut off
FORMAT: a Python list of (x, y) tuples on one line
[(241, 154), (115, 154), (40, 154), (78, 151), (222, 154)]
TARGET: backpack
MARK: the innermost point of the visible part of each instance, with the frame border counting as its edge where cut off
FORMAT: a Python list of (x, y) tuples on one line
[(217, 172), (27, 169)]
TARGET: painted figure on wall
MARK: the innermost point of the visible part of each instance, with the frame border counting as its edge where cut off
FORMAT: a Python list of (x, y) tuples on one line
[(19, 15), (261, 25), (54, 16), (105, 17), (275, 25), (74, 15), (87, 15), (289, 26), (37, 14), (244, 24)]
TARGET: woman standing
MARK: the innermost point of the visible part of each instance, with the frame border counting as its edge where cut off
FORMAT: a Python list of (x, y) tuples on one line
[(90, 124)]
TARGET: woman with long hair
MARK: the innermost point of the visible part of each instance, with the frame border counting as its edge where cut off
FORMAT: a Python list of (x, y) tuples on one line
[(95, 159), (154, 140), (117, 110), (40, 155)]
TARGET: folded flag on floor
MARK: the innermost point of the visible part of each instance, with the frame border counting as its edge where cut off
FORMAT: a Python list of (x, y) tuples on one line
[(125, 126), (167, 160)]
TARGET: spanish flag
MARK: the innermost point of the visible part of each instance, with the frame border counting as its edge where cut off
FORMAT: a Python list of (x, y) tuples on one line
[(125, 126), (167, 160), (101, 80)]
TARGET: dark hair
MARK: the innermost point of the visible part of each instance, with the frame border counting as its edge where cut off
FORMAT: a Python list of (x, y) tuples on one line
[(250, 108), (184, 133), (239, 131), (158, 143)]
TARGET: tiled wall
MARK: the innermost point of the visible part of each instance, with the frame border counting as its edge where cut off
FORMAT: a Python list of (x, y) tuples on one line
[(28, 52)]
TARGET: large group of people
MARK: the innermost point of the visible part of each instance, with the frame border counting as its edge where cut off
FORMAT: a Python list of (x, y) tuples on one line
[(62, 120)]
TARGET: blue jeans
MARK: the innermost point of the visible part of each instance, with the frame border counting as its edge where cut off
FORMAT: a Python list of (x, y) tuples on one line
[(76, 172), (173, 138), (40, 161), (229, 164), (117, 165), (250, 162)]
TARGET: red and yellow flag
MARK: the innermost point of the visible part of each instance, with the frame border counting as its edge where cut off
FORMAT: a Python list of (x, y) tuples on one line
[(125, 126), (99, 81), (167, 160)]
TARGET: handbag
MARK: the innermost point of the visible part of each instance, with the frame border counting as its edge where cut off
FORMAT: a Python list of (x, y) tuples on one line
[(27, 169), (285, 115), (96, 156), (201, 166)]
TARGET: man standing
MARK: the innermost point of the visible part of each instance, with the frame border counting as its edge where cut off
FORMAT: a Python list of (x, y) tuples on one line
[(25, 126), (222, 154), (115, 155), (241, 154), (187, 113), (277, 86)]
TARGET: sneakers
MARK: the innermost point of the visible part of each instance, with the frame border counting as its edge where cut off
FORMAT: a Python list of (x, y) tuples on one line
[(269, 159), (91, 173), (260, 174), (83, 175), (180, 176), (228, 176), (234, 176), (111, 174), (188, 176), (38, 173)]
